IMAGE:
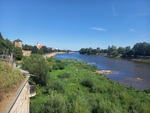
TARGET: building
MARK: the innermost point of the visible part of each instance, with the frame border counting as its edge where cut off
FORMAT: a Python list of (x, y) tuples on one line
[(26, 52), (39, 46), (18, 43)]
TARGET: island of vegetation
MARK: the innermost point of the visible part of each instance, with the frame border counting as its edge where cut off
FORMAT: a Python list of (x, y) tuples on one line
[(139, 52)]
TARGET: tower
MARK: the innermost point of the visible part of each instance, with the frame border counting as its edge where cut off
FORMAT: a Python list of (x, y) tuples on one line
[(18, 43)]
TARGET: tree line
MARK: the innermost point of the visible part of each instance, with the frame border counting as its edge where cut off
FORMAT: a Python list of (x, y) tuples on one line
[(141, 49), (7, 47)]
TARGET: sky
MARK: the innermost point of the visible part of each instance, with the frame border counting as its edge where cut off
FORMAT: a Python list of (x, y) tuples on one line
[(75, 24)]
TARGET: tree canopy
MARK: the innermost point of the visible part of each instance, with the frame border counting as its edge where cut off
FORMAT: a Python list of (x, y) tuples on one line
[(139, 49), (36, 65)]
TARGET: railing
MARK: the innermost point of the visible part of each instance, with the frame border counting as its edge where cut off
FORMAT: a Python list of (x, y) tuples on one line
[(17, 96)]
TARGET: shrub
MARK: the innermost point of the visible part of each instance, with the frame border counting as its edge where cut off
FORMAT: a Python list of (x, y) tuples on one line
[(64, 75), (58, 65), (98, 88), (78, 104), (54, 104), (87, 82), (56, 86)]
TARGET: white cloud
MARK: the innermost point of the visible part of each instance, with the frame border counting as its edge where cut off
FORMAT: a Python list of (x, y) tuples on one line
[(98, 29), (132, 30)]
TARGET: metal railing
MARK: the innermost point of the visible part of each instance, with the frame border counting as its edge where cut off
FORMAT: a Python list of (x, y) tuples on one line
[(17, 96)]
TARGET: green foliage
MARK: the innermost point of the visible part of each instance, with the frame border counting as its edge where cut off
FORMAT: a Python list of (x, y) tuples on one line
[(56, 86), (87, 82), (54, 104), (64, 75), (79, 105), (142, 49), (147, 91), (90, 51), (38, 66), (58, 65), (17, 53), (8, 76), (77, 89), (139, 49), (6, 45)]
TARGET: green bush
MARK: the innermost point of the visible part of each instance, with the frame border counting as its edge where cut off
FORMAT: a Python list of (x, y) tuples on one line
[(64, 75), (98, 88), (56, 86), (54, 104), (87, 82), (58, 66), (78, 104)]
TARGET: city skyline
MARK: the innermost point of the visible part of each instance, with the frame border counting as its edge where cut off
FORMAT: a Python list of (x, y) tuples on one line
[(76, 24)]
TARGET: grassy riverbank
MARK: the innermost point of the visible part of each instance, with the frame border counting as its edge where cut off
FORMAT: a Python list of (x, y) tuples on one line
[(76, 88)]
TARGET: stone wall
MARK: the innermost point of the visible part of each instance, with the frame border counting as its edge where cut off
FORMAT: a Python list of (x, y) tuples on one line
[(21, 104)]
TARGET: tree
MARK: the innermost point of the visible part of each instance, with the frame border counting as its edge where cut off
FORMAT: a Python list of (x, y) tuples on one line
[(121, 50), (128, 51), (34, 49), (142, 49), (112, 51), (27, 47), (38, 66), (17, 53), (98, 50)]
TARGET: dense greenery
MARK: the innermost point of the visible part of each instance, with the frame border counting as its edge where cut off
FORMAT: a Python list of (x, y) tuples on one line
[(78, 89), (36, 65), (7, 47), (35, 50), (138, 50), (9, 77), (42, 50)]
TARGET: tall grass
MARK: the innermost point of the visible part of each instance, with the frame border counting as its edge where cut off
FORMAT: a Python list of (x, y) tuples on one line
[(9, 76)]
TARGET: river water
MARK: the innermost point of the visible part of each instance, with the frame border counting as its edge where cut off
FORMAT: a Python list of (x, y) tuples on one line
[(129, 73)]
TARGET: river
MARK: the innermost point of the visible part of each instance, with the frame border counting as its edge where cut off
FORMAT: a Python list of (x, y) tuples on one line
[(129, 73)]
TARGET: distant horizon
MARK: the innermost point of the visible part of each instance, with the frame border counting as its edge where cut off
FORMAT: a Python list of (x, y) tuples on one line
[(76, 24), (70, 49)]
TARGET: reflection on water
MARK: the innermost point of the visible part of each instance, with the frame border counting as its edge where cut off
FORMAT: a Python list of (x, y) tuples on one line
[(128, 72)]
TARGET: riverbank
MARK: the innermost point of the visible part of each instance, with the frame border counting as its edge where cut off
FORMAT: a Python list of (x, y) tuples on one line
[(104, 72), (53, 54), (141, 60), (77, 88)]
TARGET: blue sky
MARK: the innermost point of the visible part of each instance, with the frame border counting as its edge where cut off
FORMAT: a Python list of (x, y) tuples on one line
[(74, 24)]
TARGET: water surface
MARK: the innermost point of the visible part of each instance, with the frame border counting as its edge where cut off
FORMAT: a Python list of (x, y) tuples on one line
[(124, 71)]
